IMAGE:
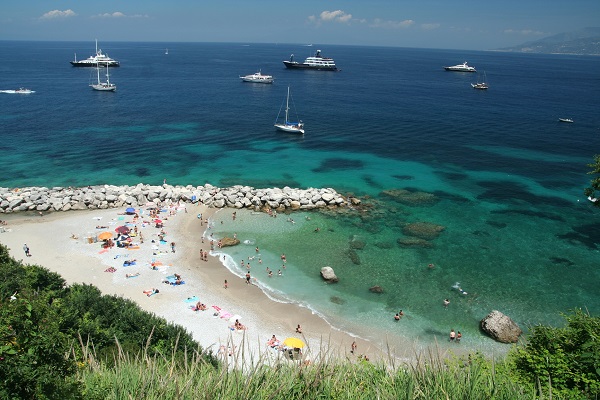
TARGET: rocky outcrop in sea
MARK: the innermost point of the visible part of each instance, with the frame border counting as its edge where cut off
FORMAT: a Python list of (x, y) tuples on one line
[(43, 199)]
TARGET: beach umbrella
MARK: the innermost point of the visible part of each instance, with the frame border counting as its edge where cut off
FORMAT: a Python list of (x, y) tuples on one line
[(105, 235), (123, 230), (294, 342)]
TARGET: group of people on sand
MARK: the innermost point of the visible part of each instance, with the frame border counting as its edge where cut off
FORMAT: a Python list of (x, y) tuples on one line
[(200, 306), (237, 325)]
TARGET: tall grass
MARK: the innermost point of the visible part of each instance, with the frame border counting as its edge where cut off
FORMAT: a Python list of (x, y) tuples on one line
[(240, 375)]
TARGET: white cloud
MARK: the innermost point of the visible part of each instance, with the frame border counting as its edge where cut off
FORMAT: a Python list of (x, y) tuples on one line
[(58, 14), (524, 32), (333, 16), (429, 27), (380, 23), (118, 14)]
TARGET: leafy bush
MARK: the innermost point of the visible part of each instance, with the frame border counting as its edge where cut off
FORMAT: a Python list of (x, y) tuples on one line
[(566, 358)]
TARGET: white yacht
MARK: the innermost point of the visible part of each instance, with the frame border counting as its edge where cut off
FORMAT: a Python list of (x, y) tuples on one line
[(257, 77), (93, 61), (317, 62), (461, 68)]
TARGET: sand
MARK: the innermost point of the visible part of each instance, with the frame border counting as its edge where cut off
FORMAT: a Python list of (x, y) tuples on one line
[(65, 242)]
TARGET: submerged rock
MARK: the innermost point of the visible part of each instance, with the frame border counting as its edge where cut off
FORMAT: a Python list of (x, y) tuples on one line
[(500, 327), (376, 289), (353, 256), (411, 198), (423, 230), (414, 242)]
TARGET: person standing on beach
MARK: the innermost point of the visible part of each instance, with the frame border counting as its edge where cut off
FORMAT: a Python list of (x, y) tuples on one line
[(26, 250), (226, 284), (248, 278), (353, 347), (172, 247)]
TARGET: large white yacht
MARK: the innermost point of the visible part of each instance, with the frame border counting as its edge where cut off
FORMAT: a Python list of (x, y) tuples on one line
[(317, 62), (461, 68), (257, 77), (93, 61)]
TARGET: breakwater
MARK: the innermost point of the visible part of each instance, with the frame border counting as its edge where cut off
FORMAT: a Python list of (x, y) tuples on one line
[(43, 199)]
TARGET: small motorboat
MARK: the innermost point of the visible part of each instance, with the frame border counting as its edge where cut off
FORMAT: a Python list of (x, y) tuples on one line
[(568, 120)]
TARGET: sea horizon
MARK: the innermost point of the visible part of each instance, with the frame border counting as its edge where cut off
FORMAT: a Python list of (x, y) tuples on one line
[(495, 170)]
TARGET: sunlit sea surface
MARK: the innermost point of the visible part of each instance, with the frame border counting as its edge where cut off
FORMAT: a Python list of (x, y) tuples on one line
[(493, 173)]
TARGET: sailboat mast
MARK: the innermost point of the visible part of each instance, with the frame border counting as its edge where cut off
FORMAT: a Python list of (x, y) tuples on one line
[(287, 106)]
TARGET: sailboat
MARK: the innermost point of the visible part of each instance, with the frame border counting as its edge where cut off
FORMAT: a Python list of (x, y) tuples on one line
[(480, 85), (104, 86), (287, 125)]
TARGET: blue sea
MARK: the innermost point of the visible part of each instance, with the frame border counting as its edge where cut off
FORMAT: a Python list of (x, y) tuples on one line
[(494, 168)]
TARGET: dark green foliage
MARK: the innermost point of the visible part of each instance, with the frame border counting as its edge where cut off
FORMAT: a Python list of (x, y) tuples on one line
[(567, 357), (41, 321), (33, 352), (594, 189), (102, 319)]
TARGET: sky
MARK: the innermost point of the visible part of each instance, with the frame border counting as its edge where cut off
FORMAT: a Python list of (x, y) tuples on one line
[(440, 24)]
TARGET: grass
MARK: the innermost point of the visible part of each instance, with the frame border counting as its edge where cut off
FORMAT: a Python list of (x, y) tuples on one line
[(241, 376)]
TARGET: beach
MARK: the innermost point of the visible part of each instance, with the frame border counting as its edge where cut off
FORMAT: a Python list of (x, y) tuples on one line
[(67, 243)]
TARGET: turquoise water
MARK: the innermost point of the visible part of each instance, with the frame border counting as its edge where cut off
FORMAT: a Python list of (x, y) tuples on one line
[(501, 176)]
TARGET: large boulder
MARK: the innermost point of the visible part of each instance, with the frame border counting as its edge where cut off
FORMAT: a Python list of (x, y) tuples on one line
[(500, 327), (329, 275), (227, 241)]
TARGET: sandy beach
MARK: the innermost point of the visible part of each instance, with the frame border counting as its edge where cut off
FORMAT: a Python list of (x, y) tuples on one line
[(67, 244)]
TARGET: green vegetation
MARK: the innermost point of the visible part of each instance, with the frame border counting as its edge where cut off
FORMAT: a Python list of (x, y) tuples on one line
[(60, 342), (568, 358), (594, 189)]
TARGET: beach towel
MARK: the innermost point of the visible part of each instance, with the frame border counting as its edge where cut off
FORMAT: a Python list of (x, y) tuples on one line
[(133, 247), (226, 315), (110, 269), (171, 280), (102, 251), (192, 299)]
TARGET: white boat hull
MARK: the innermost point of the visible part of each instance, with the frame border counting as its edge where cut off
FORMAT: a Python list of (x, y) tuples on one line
[(103, 87), (289, 129)]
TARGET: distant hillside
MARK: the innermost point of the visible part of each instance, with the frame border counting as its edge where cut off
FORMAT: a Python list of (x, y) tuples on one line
[(585, 41)]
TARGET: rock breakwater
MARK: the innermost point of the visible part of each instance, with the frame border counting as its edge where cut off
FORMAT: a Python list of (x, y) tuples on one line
[(43, 199)]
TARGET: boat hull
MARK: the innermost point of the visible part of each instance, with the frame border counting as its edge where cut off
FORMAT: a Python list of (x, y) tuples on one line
[(289, 129), (296, 65), (253, 80), (94, 64), (459, 69), (105, 87)]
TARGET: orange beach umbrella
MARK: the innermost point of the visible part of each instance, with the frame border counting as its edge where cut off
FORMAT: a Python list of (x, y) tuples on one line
[(105, 235)]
